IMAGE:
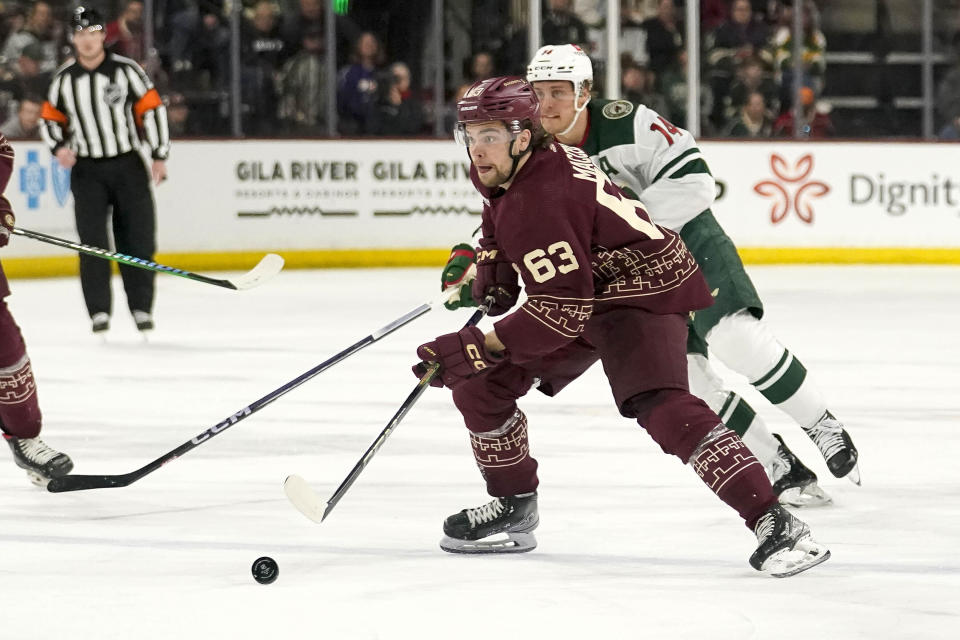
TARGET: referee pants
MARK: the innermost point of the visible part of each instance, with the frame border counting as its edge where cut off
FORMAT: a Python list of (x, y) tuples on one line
[(122, 183)]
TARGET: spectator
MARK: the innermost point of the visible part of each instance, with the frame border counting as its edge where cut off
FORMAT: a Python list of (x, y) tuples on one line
[(740, 37), (948, 94), (310, 17), (816, 116), (633, 37), (22, 78), (754, 119), (482, 66), (125, 34), (712, 14), (303, 87), (637, 84), (25, 124), (561, 25), (397, 112), (751, 76), (664, 40), (12, 19), (357, 86), (674, 88), (179, 117), (951, 131), (814, 48), (199, 46), (736, 40), (39, 28), (262, 51)]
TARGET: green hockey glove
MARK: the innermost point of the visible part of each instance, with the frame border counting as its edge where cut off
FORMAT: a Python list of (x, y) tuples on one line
[(458, 277)]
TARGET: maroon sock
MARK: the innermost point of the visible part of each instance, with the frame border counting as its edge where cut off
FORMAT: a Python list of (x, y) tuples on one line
[(503, 456), (725, 464)]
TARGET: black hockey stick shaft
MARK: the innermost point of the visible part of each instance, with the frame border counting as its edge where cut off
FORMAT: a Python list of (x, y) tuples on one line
[(371, 451), (128, 260), (84, 482)]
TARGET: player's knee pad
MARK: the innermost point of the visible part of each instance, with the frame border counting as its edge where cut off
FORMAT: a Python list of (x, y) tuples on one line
[(745, 344), (12, 347), (675, 419), (705, 383), (489, 400)]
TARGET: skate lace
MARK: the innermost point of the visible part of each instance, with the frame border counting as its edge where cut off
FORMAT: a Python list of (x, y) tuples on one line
[(484, 514), (828, 436), (36, 451), (764, 528), (780, 465)]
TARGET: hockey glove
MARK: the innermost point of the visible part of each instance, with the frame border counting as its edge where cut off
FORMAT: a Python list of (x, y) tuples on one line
[(461, 355), (496, 278), (6, 163), (458, 277), (7, 221)]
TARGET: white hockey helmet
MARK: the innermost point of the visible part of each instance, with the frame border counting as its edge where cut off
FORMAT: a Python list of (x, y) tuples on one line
[(561, 62)]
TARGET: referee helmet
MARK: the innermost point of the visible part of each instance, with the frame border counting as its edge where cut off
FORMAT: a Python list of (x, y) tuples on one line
[(86, 18)]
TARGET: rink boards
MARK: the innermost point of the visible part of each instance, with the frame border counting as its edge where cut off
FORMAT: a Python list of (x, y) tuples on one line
[(394, 202)]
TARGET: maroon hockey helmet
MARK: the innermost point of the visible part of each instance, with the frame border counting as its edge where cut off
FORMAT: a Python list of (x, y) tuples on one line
[(509, 99)]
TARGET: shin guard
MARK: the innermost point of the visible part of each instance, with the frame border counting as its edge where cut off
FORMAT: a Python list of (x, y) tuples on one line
[(727, 467), (503, 456), (19, 409)]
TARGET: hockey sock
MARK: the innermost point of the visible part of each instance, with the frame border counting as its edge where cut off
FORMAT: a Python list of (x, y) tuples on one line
[(19, 409), (734, 411), (747, 346), (727, 467), (503, 456)]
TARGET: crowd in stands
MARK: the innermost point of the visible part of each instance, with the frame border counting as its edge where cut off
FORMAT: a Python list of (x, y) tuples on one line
[(383, 62)]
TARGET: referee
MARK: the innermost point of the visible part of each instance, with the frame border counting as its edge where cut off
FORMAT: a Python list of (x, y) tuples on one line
[(97, 108)]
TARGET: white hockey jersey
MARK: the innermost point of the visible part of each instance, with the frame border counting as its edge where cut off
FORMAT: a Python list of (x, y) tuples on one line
[(659, 163)]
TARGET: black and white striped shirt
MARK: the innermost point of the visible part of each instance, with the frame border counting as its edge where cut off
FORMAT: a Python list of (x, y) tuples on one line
[(98, 113)]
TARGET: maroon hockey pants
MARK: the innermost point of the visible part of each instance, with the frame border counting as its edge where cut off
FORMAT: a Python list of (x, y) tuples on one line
[(19, 409), (644, 358)]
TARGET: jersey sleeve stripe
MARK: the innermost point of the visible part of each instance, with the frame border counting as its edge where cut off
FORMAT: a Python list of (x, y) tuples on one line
[(670, 165), (697, 165)]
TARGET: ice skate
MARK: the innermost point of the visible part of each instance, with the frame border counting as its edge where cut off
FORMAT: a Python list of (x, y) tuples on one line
[(836, 446), (504, 525), (785, 545), (39, 461), (100, 322), (793, 483), (144, 320)]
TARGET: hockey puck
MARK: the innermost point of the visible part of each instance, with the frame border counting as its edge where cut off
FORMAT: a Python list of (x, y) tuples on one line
[(265, 570)]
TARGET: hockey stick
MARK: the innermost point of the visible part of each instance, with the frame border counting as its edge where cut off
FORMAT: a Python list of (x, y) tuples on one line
[(75, 482), (308, 502), (269, 266)]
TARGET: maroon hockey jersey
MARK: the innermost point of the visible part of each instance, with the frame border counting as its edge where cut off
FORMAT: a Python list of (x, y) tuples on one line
[(580, 245)]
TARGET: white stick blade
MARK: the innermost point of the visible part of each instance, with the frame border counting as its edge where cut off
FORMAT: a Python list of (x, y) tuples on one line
[(269, 266), (304, 498)]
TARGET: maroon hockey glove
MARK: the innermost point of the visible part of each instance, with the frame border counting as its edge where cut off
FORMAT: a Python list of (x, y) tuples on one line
[(496, 278), (6, 163), (7, 221), (461, 355)]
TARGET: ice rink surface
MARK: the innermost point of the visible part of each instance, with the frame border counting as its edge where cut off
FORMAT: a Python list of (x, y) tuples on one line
[(631, 544)]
